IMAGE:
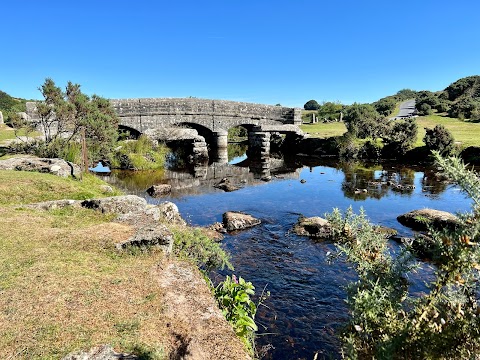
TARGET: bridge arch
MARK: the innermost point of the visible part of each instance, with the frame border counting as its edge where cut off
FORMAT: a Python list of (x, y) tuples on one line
[(131, 133)]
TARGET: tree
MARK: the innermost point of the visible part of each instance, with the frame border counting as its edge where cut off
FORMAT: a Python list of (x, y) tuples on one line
[(311, 105), (330, 110), (439, 139), (385, 106), (63, 114), (363, 121)]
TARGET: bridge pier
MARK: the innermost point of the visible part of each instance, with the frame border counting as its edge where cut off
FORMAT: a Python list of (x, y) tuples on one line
[(259, 153), (220, 147)]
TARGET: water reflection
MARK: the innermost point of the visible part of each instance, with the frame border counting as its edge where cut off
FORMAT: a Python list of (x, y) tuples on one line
[(307, 303)]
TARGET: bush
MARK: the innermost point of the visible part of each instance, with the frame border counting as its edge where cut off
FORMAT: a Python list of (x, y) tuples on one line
[(439, 139), (424, 109), (401, 137), (387, 321), (363, 121)]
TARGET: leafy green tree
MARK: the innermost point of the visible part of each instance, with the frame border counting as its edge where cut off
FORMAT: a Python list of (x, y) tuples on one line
[(363, 121), (439, 139), (406, 94), (311, 105), (464, 108), (64, 115), (387, 321), (330, 110)]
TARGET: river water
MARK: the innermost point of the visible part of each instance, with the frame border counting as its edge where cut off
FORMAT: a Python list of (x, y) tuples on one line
[(306, 306)]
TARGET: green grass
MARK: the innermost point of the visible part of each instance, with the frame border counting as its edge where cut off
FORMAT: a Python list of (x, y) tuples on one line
[(7, 133), (19, 187), (467, 133), (324, 130)]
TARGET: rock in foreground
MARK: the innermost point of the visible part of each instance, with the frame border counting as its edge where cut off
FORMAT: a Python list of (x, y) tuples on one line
[(233, 220), (420, 219), (57, 167)]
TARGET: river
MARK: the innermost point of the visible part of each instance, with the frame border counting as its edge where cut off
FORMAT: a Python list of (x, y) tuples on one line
[(306, 306)]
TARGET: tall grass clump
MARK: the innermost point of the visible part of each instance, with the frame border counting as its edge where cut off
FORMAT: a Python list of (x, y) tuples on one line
[(141, 154)]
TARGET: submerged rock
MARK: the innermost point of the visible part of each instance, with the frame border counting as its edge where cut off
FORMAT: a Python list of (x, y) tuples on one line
[(315, 227), (420, 219), (233, 220)]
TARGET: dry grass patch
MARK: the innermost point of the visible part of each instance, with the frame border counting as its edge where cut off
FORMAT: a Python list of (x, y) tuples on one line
[(63, 287), (21, 187)]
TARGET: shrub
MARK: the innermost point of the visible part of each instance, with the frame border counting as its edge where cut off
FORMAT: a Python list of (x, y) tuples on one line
[(389, 322), (141, 154), (401, 137), (439, 139)]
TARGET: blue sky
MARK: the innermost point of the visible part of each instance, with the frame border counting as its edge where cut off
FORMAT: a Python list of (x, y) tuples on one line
[(270, 52)]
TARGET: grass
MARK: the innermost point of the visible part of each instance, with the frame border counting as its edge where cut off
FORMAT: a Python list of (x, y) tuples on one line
[(7, 133), (63, 285), (19, 187), (467, 133), (464, 132), (324, 130)]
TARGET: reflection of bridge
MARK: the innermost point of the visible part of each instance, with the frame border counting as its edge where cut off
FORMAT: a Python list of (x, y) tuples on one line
[(211, 118), (202, 177)]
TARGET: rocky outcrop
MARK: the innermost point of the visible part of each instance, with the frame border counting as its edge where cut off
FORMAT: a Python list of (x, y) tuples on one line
[(154, 235), (315, 227), (226, 185), (159, 190), (55, 204), (233, 220), (117, 204), (57, 167), (420, 220), (102, 352)]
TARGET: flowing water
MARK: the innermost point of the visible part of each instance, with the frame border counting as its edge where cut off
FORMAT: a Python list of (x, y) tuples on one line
[(306, 306)]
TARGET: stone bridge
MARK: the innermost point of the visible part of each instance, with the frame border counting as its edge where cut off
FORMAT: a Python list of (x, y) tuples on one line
[(211, 118)]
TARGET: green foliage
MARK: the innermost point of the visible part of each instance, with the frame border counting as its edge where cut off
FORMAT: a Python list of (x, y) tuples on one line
[(401, 137), (233, 298), (406, 94), (330, 111), (363, 121), (389, 322), (237, 133), (467, 86), (385, 106), (194, 246), (311, 105), (9, 106), (141, 154), (439, 139), (64, 114)]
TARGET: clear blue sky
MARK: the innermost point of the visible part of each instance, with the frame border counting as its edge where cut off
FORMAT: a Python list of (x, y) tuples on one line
[(270, 52)]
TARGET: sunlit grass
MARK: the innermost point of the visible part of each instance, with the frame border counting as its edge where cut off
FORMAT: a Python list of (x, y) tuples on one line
[(467, 133), (324, 130)]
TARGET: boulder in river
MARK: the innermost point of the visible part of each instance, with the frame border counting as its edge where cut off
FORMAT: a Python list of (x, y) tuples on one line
[(226, 186), (233, 220), (421, 219), (159, 190), (315, 227)]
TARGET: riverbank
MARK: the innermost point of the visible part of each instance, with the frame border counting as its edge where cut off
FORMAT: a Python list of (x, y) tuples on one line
[(65, 287)]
